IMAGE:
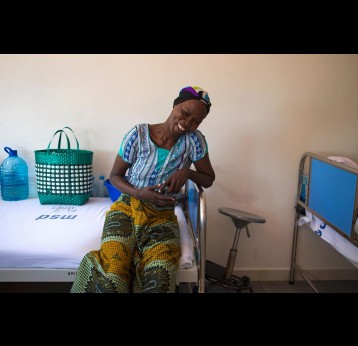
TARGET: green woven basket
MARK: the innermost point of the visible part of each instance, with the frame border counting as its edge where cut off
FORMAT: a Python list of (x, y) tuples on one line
[(64, 176)]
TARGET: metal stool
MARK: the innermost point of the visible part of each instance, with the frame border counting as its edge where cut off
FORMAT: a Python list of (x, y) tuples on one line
[(217, 274)]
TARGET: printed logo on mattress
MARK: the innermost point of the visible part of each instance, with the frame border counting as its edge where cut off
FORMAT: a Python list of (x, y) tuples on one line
[(60, 212)]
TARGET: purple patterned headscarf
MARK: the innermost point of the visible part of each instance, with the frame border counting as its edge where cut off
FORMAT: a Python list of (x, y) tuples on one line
[(193, 93)]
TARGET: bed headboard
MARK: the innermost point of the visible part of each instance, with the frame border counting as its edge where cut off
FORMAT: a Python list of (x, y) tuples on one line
[(332, 193)]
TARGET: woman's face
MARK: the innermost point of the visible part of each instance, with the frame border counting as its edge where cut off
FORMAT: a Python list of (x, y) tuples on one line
[(187, 116)]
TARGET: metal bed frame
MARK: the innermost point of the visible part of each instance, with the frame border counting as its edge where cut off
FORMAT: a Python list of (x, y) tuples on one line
[(195, 211), (319, 208)]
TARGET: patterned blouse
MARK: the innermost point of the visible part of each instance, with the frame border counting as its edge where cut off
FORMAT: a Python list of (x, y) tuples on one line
[(148, 164)]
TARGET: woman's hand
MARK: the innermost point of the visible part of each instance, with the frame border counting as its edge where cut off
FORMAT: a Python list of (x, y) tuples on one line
[(151, 194), (203, 175), (176, 181)]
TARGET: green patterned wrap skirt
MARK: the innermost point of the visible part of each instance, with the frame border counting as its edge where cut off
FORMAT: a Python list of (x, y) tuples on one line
[(139, 252)]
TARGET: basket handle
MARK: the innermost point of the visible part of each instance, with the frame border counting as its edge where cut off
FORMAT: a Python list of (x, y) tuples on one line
[(59, 141), (66, 127)]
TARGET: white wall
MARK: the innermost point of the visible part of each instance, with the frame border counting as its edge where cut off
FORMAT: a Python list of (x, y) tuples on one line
[(267, 111)]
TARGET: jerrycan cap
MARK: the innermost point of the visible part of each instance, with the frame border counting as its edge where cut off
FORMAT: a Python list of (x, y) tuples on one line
[(10, 151)]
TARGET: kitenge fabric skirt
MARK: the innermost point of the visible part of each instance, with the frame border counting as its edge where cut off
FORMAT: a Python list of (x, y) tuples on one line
[(139, 252)]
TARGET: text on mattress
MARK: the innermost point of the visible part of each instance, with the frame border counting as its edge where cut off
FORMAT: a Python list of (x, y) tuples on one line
[(63, 217)]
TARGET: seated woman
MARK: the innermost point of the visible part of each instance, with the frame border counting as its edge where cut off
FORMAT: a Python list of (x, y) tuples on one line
[(140, 246)]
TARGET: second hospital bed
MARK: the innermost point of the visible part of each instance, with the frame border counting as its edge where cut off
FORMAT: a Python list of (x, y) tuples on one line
[(327, 201), (45, 243)]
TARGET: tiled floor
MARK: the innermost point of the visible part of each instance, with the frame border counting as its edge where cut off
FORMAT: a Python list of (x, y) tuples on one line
[(257, 287)]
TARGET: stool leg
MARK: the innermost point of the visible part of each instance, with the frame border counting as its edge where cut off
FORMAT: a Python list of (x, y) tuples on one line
[(232, 257)]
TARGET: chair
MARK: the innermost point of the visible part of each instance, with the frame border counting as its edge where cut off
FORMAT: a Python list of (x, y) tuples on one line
[(217, 274)]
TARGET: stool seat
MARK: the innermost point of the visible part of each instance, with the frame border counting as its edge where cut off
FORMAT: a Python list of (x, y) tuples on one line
[(241, 218)]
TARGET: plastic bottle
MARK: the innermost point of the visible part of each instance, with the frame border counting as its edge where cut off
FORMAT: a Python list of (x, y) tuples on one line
[(105, 189), (94, 187), (14, 179), (102, 189)]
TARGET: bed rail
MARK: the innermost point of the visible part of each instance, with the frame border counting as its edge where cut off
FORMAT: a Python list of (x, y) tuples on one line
[(195, 209)]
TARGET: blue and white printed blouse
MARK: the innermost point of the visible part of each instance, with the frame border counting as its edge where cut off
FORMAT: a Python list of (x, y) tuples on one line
[(151, 165)]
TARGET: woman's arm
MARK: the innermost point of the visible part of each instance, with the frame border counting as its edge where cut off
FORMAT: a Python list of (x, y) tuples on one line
[(117, 175), (203, 175), (148, 193)]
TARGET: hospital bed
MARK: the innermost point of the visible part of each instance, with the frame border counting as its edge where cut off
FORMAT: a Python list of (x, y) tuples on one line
[(327, 201), (45, 243)]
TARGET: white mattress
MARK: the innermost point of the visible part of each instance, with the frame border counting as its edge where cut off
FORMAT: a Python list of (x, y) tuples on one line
[(49, 236), (55, 236)]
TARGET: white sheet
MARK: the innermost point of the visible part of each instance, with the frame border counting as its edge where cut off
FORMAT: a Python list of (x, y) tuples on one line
[(344, 160), (186, 242), (341, 244), (57, 236)]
